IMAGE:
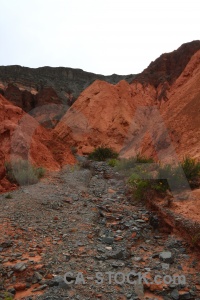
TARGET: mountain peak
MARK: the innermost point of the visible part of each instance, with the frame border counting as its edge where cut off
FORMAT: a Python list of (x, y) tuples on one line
[(168, 66)]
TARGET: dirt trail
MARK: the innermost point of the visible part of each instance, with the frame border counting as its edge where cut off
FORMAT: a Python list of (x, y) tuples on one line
[(82, 221)]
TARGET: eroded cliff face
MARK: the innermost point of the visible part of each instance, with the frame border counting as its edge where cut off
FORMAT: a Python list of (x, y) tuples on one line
[(44, 105), (103, 114), (21, 136), (157, 118)]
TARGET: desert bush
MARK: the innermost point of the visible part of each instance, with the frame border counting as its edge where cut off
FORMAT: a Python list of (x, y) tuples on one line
[(191, 168), (23, 173), (188, 169), (141, 165), (113, 162), (141, 159), (39, 172), (8, 296), (170, 172), (142, 188), (167, 177), (102, 153), (132, 162), (126, 164)]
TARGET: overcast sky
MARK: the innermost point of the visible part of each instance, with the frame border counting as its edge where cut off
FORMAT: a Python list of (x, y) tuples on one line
[(100, 36)]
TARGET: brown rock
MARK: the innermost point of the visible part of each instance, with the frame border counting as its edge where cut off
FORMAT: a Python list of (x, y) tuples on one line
[(2, 165), (111, 191), (87, 150), (49, 276), (156, 287), (20, 286)]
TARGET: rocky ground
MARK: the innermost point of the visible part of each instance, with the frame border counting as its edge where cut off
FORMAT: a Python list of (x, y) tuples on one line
[(83, 221)]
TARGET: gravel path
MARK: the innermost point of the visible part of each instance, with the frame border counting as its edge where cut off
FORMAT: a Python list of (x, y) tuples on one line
[(83, 221)]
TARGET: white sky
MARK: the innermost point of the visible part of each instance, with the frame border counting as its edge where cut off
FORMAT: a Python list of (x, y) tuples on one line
[(100, 36)]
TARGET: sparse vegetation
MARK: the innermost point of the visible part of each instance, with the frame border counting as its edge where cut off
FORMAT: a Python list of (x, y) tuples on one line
[(143, 182), (141, 159), (143, 188), (23, 173), (188, 169), (102, 153), (191, 168), (113, 162), (169, 171), (8, 296), (132, 162)]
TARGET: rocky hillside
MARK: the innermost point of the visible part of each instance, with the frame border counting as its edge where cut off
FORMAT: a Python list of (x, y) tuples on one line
[(169, 66), (149, 115), (21, 136), (29, 88)]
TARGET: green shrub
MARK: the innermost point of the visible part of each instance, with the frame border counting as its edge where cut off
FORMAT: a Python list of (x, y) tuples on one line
[(8, 296), (142, 187), (102, 153), (23, 173), (191, 169), (39, 172), (134, 178), (140, 174), (167, 171), (143, 159), (132, 162), (170, 177), (113, 162), (188, 170), (126, 164)]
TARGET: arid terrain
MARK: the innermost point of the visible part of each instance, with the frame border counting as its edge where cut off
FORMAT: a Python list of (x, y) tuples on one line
[(79, 220), (82, 216)]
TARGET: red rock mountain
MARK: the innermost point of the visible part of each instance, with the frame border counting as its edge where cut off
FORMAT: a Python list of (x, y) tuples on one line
[(29, 88), (21, 136), (67, 83), (156, 114)]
